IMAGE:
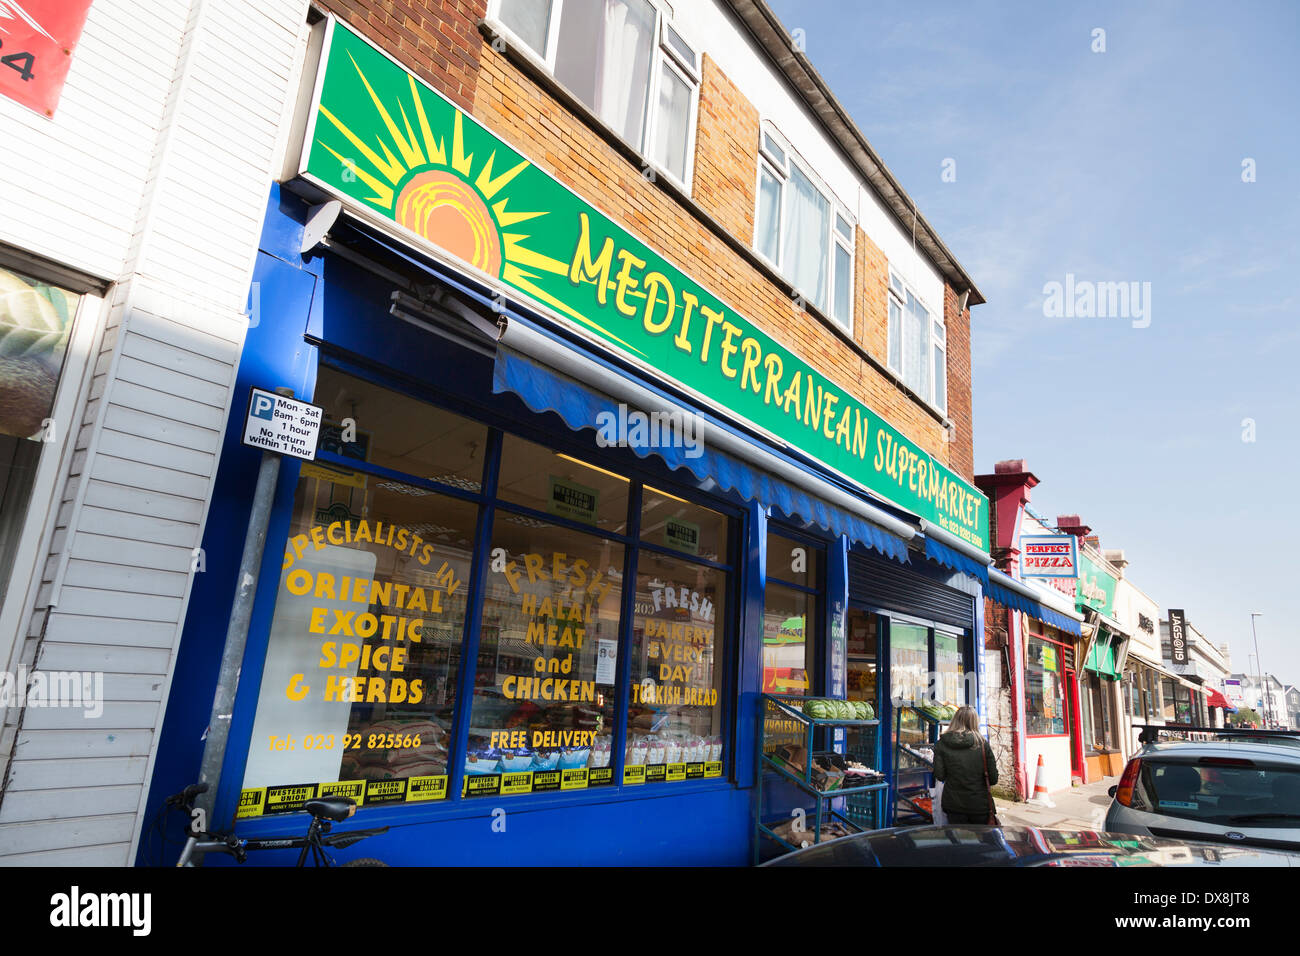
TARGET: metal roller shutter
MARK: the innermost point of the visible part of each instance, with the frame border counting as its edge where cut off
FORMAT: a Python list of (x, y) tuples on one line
[(890, 586)]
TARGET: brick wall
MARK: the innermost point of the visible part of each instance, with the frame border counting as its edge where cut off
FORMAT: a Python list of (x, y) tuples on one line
[(726, 143), (962, 450), (442, 44), (871, 308), (437, 39)]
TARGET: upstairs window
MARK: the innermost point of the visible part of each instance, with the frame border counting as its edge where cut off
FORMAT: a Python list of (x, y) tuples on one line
[(802, 231), (917, 344), (626, 62)]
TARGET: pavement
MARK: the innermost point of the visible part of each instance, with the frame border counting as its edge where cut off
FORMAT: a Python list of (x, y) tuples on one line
[(1078, 808)]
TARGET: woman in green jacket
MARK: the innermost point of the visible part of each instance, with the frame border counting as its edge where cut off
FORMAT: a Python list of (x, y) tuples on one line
[(960, 760)]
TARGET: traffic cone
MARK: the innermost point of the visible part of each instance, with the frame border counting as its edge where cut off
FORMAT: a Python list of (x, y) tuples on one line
[(1040, 796)]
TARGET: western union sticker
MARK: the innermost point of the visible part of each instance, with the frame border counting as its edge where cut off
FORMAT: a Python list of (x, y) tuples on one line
[(544, 780), (654, 773), (634, 774), (356, 789), (713, 768), (516, 783), (426, 788), (694, 771), (573, 779), (600, 776), (677, 771), (385, 791), (289, 799), (252, 803), (482, 785)]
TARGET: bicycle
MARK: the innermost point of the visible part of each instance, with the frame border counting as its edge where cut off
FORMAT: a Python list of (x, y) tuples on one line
[(325, 812)]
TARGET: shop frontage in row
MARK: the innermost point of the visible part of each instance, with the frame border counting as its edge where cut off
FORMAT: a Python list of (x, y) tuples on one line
[(570, 516)]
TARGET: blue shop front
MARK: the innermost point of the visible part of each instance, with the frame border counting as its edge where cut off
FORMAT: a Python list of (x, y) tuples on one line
[(525, 603)]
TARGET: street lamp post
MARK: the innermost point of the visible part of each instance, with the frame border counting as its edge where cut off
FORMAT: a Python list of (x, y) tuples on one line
[(1267, 698)]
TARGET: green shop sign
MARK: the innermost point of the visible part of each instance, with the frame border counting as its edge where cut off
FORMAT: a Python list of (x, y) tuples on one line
[(396, 149), (1096, 586)]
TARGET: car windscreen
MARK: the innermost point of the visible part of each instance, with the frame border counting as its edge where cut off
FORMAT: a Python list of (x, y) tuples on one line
[(1227, 791)]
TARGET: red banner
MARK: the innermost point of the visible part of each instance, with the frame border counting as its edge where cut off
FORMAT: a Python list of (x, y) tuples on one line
[(37, 40)]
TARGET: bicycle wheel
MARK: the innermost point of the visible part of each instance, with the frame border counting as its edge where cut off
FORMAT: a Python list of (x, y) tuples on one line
[(365, 861)]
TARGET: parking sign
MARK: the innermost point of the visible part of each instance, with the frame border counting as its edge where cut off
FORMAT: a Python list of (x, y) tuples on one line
[(283, 425)]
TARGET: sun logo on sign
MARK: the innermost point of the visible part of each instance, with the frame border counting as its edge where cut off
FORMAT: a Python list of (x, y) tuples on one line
[(439, 191)]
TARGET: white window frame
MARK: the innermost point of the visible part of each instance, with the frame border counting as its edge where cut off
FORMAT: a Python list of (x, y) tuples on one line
[(934, 322), (780, 171), (665, 54)]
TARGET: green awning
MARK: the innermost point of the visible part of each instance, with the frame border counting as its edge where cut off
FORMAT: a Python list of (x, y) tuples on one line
[(1101, 656)]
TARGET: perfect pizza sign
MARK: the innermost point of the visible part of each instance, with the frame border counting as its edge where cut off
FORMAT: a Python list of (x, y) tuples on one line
[(37, 38), (1048, 556)]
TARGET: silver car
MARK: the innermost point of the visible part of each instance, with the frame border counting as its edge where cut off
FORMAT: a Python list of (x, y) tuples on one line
[(1238, 792)]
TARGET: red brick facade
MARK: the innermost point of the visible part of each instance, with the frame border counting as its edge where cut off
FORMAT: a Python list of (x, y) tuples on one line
[(442, 43), (437, 39)]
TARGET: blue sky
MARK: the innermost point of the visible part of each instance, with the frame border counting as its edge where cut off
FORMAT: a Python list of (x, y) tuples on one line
[(1123, 165)]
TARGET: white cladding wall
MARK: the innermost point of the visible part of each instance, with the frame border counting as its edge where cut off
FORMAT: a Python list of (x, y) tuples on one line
[(1130, 602), (708, 27), (154, 172)]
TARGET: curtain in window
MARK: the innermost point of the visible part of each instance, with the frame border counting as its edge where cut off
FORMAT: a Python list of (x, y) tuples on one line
[(807, 237), (623, 66), (674, 118), (769, 214), (895, 336)]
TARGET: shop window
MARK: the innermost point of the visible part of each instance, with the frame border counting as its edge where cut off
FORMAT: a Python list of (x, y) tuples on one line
[(562, 485), (363, 667), (909, 662), (917, 344), (949, 672), (35, 320), (793, 561), (675, 714), (1168, 704), (691, 529), (802, 231), (1044, 687), (369, 424), (547, 657), (789, 646), (625, 62), (863, 662), (790, 616), (359, 684)]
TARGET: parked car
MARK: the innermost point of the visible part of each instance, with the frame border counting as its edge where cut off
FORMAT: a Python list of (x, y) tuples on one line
[(1235, 790), (1022, 846)]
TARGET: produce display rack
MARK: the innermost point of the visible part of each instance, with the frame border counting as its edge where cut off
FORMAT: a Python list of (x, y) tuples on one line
[(908, 791), (825, 811)]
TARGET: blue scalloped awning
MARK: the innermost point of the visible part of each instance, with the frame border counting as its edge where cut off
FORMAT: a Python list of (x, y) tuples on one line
[(543, 389), (1018, 602), (952, 558)]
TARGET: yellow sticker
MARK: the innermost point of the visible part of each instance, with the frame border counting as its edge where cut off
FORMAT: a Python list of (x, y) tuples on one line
[(386, 791), (426, 788), (573, 779), (251, 803), (356, 789), (676, 771), (288, 799), (481, 784), (713, 768), (516, 783), (634, 774), (600, 776)]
